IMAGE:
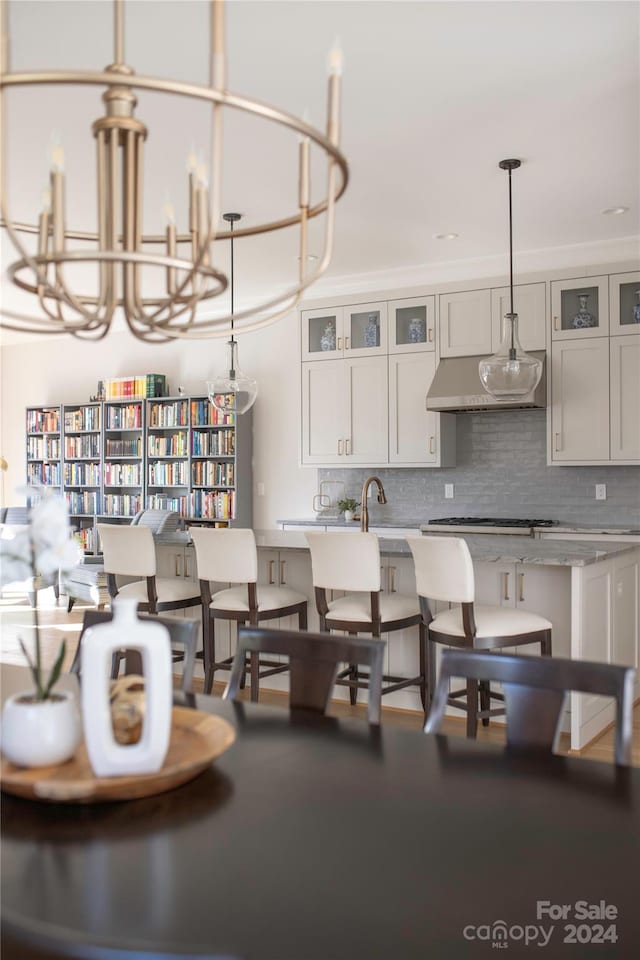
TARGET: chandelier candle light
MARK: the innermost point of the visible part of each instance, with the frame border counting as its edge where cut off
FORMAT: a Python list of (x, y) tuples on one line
[(232, 391), (123, 255), (510, 374)]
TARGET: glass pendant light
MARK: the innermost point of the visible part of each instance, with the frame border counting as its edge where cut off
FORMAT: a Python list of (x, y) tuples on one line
[(510, 374), (232, 391)]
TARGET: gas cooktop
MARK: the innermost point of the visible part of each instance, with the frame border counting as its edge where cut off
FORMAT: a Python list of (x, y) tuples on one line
[(488, 522)]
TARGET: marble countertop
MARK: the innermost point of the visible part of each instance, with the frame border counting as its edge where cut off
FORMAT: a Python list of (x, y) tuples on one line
[(611, 529), (486, 547)]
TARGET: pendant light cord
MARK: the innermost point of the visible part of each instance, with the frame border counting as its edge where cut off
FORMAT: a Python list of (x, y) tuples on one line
[(232, 336), (510, 263)]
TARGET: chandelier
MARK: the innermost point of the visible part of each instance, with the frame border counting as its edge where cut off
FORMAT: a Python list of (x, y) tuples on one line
[(122, 254), (511, 373)]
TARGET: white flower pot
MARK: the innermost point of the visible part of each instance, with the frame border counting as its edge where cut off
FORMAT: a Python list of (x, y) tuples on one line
[(348, 515), (37, 733)]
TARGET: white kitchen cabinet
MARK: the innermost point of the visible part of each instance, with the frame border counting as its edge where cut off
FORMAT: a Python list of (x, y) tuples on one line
[(465, 323), (579, 308), (365, 330), (624, 303), (417, 436), (322, 333), (177, 560), (530, 303), (625, 397), (344, 412), (580, 400), (626, 611), (412, 325)]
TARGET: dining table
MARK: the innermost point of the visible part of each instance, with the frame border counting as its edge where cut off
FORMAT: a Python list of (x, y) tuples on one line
[(318, 838)]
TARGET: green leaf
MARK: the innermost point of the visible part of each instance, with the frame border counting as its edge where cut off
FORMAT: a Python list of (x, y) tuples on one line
[(54, 676), (32, 667)]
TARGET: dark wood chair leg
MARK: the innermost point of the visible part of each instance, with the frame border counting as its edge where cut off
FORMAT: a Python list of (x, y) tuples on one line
[(209, 653), (485, 700), (545, 645), (302, 617), (353, 691), (56, 590), (254, 666), (472, 708), (422, 648), (431, 671), (70, 603)]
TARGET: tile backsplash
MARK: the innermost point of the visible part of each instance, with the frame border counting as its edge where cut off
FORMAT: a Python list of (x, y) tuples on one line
[(502, 472)]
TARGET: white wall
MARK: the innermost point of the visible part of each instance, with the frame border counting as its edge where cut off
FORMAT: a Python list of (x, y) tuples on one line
[(61, 369)]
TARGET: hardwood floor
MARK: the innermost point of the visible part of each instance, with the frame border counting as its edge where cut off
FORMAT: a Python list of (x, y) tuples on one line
[(16, 620)]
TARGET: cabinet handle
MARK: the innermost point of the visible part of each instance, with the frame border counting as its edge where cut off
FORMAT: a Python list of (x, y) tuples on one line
[(179, 564), (430, 335), (521, 586), (339, 448), (432, 444), (339, 343), (176, 557), (283, 572), (556, 442), (505, 582), (556, 323), (187, 572), (392, 579), (347, 446), (272, 564), (346, 342)]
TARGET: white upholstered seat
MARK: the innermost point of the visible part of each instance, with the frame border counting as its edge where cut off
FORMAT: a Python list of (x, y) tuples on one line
[(269, 598), (230, 556), (352, 563), (444, 572), (168, 589), (490, 622)]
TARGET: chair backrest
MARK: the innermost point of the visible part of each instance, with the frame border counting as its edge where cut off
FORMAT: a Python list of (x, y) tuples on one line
[(183, 632), (345, 561), (313, 664), (534, 692), (224, 555), (159, 521), (129, 551), (444, 569)]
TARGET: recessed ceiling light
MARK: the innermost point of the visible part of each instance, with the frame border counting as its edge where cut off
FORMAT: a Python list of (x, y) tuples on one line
[(616, 211), (446, 236)]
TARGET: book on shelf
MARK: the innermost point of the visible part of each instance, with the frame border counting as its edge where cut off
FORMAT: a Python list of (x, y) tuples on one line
[(138, 387)]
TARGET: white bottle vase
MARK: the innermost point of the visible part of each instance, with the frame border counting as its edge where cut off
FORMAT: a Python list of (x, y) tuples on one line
[(107, 757)]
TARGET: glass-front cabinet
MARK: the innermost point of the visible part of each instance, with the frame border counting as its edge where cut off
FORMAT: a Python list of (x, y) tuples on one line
[(624, 303), (412, 325), (354, 331), (580, 308)]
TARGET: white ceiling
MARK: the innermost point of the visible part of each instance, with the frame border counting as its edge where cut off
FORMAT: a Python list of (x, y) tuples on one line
[(435, 94)]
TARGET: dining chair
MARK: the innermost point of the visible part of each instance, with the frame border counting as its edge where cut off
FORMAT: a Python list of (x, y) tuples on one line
[(535, 689), (444, 572), (182, 634), (129, 551), (314, 659), (226, 555), (351, 562)]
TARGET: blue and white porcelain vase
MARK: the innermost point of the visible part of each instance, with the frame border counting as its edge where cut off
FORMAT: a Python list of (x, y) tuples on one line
[(636, 308), (328, 338), (583, 318), (417, 330), (371, 332)]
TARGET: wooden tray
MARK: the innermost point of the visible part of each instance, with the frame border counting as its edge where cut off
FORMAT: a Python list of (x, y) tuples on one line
[(197, 738)]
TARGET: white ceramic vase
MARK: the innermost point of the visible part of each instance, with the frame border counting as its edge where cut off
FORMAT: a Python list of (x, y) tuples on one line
[(348, 515), (107, 757), (40, 733)]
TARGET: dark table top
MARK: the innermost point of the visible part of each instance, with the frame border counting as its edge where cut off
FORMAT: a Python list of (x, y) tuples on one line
[(318, 839)]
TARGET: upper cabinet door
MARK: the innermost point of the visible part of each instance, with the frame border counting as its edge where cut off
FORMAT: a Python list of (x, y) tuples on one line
[(529, 302), (625, 398), (465, 323), (322, 333), (365, 330), (412, 325), (413, 430), (580, 400), (367, 399), (323, 413), (580, 308), (624, 303)]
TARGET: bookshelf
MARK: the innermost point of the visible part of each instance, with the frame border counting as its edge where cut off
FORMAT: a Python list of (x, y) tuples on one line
[(44, 447), (114, 457)]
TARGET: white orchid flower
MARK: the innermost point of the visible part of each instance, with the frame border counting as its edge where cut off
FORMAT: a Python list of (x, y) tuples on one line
[(49, 523)]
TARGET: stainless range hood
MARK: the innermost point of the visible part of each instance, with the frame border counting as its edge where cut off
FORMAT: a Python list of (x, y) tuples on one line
[(456, 388)]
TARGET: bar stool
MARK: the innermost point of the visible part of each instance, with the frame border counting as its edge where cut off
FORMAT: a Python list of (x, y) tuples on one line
[(231, 556), (129, 551), (444, 572), (351, 562)]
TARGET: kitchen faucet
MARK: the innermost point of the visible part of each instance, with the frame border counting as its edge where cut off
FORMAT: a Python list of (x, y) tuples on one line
[(382, 498)]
